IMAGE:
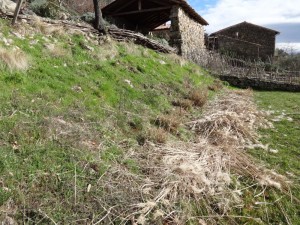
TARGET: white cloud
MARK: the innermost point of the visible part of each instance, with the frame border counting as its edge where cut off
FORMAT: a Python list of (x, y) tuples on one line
[(262, 12), (289, 47)]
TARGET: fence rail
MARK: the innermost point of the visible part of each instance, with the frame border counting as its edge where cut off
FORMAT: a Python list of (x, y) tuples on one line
[(226, 66), (289, 77)]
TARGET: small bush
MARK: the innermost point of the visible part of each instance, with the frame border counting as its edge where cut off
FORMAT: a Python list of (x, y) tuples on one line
[(198, 96)]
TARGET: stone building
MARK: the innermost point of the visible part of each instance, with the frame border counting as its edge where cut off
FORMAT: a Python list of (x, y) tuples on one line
[(244, 40), (186, 25)]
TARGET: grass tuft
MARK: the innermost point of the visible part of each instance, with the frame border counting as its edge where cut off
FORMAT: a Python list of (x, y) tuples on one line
[(185, 104), (169, 122), (216, 86), (157, 135), (14, 59), (47, 29)]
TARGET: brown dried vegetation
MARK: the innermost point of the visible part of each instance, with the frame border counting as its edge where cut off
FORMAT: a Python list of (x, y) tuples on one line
[(157, 135), (169, 122), (14, 59), (185, 104), (216, 86), (198, 96)]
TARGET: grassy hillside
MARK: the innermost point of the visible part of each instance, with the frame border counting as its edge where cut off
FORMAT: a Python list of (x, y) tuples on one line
[(106, 133), (70, 109)]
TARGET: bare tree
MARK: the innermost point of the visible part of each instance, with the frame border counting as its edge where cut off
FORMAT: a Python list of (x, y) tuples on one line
[(17, 11), (99, 22)]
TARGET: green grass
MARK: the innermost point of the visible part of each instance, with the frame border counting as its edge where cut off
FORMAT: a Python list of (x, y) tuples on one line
[(70, 120), (284, 138), (63, 122)]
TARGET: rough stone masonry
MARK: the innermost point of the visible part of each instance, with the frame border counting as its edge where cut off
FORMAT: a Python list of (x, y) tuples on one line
[(186, 34)]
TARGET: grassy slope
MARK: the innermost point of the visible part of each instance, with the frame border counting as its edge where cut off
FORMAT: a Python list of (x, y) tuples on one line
[(56, 116), (59, 122)]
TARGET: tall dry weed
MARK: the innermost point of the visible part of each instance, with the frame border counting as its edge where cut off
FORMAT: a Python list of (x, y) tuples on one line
[(204, 171), (47, 29), (107, 51), (14, 59), (198, 96)]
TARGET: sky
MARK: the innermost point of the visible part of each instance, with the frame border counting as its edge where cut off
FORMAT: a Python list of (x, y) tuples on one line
[(281, 15)]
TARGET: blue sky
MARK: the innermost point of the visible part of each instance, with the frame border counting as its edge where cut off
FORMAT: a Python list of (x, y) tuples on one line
[(281, 15)]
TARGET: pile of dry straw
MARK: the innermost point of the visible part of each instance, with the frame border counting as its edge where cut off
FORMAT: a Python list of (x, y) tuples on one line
[(201, 177), (206, 170)]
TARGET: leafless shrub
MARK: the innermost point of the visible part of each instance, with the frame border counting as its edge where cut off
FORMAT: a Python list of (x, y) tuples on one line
[(169, 122), (14, 59), (198, 96), (157, 135), (216, 86), (183, 103)]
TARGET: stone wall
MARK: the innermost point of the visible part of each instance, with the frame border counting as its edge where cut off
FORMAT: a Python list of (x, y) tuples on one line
[(186, 34), (245, 82)]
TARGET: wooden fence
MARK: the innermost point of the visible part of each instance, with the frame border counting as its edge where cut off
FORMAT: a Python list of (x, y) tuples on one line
[(227, 66)]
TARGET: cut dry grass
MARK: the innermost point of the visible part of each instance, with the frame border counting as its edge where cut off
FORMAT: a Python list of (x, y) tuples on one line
[(132, 49), (57, 50), (14, 59), (107, 51), (202, 172), (177, 59), (198, 96), (47, 29)]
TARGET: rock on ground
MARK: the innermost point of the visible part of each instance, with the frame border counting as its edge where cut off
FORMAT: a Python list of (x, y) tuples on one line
[(7, 6)]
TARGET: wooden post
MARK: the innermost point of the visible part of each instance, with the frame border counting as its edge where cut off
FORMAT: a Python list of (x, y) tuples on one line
[(17, 11)]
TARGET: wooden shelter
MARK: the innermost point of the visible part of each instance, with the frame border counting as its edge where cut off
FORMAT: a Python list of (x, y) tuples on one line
[(146, 15), (244, 40), (186, 30)]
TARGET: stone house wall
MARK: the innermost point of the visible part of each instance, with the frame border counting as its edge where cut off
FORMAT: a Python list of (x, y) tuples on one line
[(186, 34)]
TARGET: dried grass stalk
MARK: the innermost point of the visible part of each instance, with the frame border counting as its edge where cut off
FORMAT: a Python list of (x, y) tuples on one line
[(14, 59), (203, 171), (179, 180), (198, 96)]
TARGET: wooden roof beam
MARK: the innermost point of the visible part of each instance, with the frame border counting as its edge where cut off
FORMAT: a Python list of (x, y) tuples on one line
[(125, 5), (141, 11)]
